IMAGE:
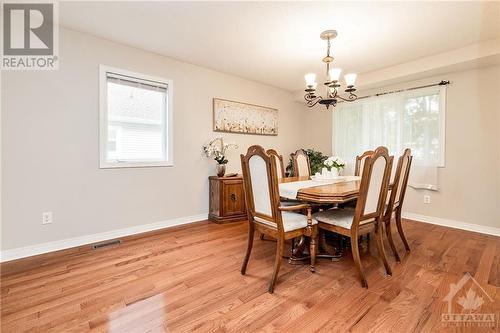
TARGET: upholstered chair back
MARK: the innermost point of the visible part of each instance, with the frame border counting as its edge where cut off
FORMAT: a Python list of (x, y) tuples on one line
[(301, 165), (261, 184), (278, 161), (360, 162), (374, 185)]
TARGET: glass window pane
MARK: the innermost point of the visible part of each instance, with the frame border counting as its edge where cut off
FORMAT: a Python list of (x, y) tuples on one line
[(421, 128), (137, 113), (397, 121)]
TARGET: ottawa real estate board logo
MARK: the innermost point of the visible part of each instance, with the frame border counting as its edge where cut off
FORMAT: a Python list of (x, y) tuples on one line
[(469, 305), (30, 35)]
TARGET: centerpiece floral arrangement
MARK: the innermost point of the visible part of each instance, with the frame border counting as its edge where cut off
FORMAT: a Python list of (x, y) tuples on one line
[(216, 149), (334, 162)]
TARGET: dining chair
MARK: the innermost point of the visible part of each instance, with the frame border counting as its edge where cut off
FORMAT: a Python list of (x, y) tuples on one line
[(301, 165), (358, 170), (266, 215), (368, 214), (396, 198), (278, 160), (280, 171), (360, 159)]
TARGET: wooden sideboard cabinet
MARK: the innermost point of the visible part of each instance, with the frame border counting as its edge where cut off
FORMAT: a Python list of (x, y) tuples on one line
[(227, 199)]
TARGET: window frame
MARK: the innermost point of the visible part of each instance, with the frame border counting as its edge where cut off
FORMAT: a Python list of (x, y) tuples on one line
[(441, 91), (103, 119)]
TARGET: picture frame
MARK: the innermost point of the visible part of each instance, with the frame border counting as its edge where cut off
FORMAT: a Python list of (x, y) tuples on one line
[(244, 118)]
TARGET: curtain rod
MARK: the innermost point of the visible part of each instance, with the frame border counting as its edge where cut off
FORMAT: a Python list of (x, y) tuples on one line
[(442, 83)]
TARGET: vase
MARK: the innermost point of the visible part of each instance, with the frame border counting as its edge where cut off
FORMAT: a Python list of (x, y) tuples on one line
[(221, 170), (334, 173)]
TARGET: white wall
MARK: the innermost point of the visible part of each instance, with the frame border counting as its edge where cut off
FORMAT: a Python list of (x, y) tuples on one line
[(318, 128), (50, 145), (50, 159)]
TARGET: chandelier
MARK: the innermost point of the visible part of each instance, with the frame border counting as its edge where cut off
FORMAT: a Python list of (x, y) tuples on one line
[(333, 80)]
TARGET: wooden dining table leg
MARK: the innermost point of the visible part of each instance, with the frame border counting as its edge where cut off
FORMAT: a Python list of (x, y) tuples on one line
[(327, 248), (324, 250), (298, 251)]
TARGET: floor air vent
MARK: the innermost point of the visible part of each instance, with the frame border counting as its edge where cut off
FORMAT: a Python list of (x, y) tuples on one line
[(106, 244)]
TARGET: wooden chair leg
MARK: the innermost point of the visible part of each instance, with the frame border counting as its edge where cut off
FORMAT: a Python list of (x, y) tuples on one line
[(400, 230), (388, 231), (357, 261), (381, 249), (280, 245), (313, 249), (249, 247)]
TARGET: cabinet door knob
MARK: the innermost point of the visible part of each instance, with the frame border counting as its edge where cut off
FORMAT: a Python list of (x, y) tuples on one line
[(233, 197)]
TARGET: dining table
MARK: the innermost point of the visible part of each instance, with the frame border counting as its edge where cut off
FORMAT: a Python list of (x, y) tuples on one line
[(319, 192)]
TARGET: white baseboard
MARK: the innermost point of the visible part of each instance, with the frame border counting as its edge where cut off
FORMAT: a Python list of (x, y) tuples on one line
[(33, 250), (452, 223), (28, 251)]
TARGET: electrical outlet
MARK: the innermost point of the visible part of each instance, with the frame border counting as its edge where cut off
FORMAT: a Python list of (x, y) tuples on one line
[(46, 217), (427, 199)]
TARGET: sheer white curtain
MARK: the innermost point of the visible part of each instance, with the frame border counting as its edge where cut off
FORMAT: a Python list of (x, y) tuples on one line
[(410, 119)]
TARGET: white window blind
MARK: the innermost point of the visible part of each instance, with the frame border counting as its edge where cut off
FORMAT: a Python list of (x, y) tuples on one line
[(135, 120), (410, 119)]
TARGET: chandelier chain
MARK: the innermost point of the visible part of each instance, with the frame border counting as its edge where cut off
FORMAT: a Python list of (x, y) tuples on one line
[(328, 56)]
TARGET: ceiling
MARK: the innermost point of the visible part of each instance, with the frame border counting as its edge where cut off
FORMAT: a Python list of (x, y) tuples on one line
[(278, 42)]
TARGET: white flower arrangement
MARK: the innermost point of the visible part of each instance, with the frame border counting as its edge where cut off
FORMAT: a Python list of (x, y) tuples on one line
[(334, 162), (216, 149)]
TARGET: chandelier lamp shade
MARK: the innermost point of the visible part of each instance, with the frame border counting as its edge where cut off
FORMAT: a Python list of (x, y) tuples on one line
[(332, 84)]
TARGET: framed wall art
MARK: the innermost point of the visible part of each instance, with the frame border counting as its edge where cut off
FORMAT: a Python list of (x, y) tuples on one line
[(237, 117)]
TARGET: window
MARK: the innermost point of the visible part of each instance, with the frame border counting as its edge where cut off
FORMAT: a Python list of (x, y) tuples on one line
[(112, 142), (411, 119), (135, 119)]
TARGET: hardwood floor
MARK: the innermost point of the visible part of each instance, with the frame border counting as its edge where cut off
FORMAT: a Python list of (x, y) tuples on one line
[(187, 279)]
